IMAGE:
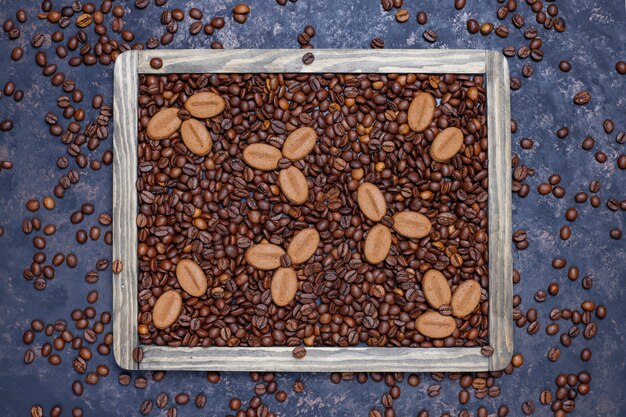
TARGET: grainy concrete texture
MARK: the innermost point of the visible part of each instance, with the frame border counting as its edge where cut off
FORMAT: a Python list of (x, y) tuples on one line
[(595, 39)]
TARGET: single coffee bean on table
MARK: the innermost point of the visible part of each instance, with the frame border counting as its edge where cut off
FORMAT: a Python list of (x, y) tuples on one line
[(265, 197), (156, 63)]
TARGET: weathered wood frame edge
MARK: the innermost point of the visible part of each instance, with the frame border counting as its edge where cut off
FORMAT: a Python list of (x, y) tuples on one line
[(328, 359), (499, 211)]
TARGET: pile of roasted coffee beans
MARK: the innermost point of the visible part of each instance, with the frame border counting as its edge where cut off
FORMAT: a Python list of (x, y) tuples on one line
[(279, 193), (214, 214)]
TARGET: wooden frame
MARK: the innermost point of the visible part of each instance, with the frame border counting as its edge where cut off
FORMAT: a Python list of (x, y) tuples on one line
[(127, 68)]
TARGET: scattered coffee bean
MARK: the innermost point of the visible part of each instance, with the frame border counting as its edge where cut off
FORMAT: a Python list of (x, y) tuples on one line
[(156, 63), (299, 352), (308, 58)]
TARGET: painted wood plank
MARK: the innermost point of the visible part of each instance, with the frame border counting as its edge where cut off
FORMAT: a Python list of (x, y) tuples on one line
[(322, 359), (500, 216), (318, 359), (326, 61), (126, 84)]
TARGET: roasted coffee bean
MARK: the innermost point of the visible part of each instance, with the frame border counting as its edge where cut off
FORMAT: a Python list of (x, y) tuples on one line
[(298, 387), (422, 18), (182, 398), (582, 98), (433, 390), (402, 15), (117, 266), (200, 401), (588, 143), (502, 31), (377, 43), (137, 354), (509, 51), (486, 350), (299, 352), (528, 408), (430, 35), (554, 354), (156, 63)]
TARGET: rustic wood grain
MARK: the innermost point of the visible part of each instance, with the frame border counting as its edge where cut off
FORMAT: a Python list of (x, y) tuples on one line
[(126, 85), (326, 60), (500, 252), (322, 359), (327, 359)]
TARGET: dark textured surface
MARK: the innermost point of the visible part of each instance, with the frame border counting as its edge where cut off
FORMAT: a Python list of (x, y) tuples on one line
[(595, 39)]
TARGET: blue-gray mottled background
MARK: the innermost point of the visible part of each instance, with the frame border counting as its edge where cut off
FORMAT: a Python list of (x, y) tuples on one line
[(595, 39)]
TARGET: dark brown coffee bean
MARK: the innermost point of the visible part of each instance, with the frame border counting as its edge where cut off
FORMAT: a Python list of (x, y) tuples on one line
[(585, 354), (595, 201), (308, 58), (124, 379), (17, 53), (76, 217), (195, 28), (571, 214), (615, 234), (140, 382), (218, 22), (518, 20), (588, 143), (554, 354), (156, 63), (422, 18), (146, 407), (590, 330), (562, 133), (298, 387), (565, 66), (182, 398), (29, 356), (515, 83), (502, 31), (509, 51), (433, 390), (299, 352), (486, 350), (527, 71), (582, 98), (38, 40), (528, 408), (430, 35), (377, 43), (137, 354), (200, 401)]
